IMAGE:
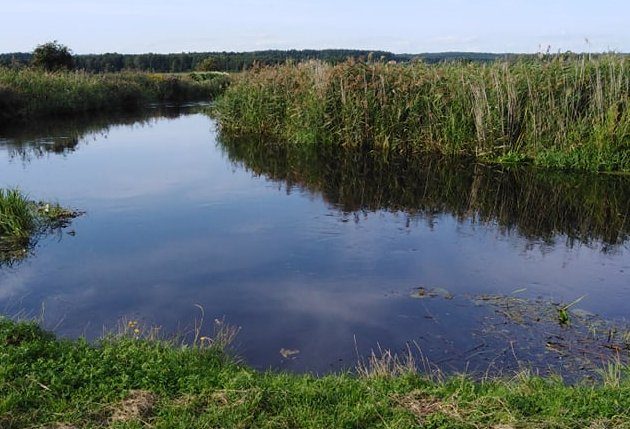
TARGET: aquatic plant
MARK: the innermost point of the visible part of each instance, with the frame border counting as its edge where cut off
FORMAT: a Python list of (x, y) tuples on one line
[(563, 312), (23, 220), (27, 93), (556, 112), (17, 215)]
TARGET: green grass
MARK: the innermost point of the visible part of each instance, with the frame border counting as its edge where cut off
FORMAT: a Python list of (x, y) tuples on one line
[(17, 215), (129, 380), (554, 112), (28, 93), (22, 221)]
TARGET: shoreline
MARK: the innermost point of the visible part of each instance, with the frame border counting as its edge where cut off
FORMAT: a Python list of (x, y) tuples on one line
[(127, 380)]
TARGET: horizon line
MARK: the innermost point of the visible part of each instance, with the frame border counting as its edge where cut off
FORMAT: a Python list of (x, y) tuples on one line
[(337, 49)]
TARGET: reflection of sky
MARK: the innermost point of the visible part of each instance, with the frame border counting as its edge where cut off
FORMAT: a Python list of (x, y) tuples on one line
[(170, 224)]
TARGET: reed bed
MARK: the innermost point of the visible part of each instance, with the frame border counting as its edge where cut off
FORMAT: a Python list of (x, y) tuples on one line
[(27, 93), (557, 112)]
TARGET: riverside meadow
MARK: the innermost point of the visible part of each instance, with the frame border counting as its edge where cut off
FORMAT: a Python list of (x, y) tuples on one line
[(532, 151)]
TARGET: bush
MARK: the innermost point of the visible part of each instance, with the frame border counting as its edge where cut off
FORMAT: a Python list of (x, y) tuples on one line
[(53, 56)]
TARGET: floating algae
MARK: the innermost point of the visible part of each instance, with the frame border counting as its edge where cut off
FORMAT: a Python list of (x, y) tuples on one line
[(421, 292), (529, 332)]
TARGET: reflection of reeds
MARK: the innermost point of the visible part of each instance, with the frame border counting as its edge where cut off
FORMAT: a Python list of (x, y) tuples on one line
[(557, 112), (538, 204), (63, 135)]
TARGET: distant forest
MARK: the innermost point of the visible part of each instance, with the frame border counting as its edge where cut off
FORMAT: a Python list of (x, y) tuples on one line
[(237, 61)]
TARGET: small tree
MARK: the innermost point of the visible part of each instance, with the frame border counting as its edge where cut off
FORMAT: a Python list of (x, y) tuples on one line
[(52, 56), (208, 64)]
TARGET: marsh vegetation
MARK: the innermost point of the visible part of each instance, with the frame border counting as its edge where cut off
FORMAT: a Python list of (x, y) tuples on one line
[(30, 93), (400, 145), (22, 221), (569, 113)]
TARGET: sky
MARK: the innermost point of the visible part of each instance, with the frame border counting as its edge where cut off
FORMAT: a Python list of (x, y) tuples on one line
[(137, 26)]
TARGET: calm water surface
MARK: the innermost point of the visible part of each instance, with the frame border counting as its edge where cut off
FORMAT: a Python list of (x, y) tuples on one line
[(316, 255)]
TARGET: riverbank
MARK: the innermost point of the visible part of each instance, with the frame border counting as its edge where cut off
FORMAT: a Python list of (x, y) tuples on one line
[(23, 220), (554, 112), (133, 379), (31, 93)]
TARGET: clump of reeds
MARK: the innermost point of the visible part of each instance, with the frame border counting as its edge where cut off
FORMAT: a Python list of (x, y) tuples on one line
[(26, 93), (555, 112), (17, 214), (21, 219)]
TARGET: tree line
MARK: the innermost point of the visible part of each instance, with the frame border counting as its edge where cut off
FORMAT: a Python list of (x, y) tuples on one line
[(234, 61)]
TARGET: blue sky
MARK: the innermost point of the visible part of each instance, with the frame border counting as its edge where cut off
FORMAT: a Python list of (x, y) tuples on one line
[(135, 26)]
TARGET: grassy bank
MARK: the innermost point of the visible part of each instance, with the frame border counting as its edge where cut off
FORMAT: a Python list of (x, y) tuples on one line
[(563, 113), (132, 381), (22, 221), (28, 93)]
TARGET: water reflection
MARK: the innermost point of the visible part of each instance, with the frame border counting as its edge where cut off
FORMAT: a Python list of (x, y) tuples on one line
[(539, 205), (42, 137), (171, 222)]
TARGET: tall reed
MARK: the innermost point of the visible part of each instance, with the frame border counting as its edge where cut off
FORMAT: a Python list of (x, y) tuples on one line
[(27, 93), (568, 113), (17, 215)]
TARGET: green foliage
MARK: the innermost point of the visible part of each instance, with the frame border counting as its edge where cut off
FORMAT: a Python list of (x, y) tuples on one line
[(34, 93), (208, 64), (10, 103), (239, 61), (555, 112), (52, 56), (222, 61), (17, 215), (23, 220), (125, 381)]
